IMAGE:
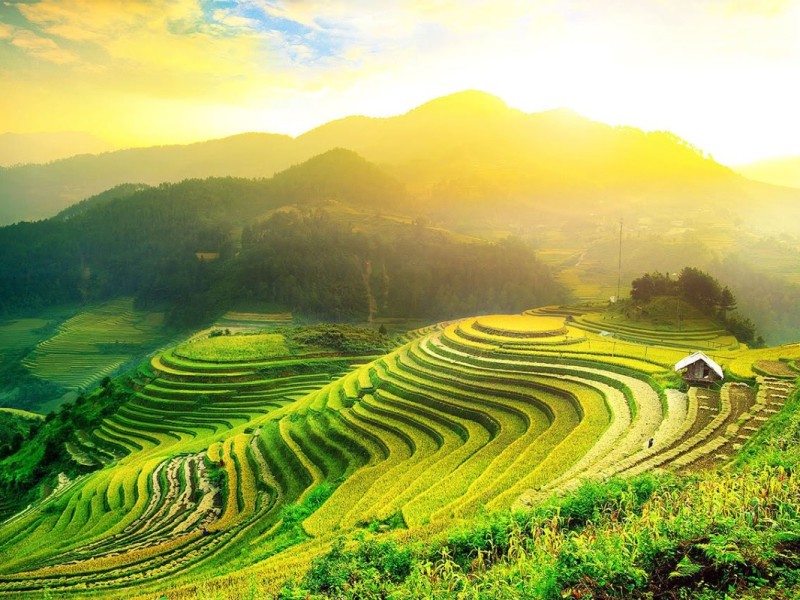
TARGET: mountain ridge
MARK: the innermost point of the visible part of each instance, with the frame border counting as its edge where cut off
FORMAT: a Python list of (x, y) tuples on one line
[(783, 171), (465, 144), (36, 148)]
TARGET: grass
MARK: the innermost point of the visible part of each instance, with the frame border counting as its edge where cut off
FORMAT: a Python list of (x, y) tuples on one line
[(24, 414), (22, 333), (741, 365), (522, 326)]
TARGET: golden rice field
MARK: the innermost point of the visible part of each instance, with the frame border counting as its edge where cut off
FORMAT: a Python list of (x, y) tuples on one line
[(233, 465)]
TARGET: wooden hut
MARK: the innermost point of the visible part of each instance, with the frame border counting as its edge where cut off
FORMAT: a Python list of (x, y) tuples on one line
[(699, 369)]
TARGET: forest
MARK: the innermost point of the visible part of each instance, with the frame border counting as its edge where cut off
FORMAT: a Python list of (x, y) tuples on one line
[(196, 248)]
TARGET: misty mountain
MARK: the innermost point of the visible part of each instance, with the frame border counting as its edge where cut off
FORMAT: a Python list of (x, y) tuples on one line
[(197, 247), (467, 150), (32, 192), (778, 171), (26, 148), (475, 138)]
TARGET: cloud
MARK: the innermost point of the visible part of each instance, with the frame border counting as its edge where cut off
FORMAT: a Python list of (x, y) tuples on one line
[(229, 18), (171, 50), (6, 31), (39, 47)]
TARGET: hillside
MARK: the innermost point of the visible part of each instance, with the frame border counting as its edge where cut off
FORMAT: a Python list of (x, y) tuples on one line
[(467, 151), (779, 171), (31, 192), (19, 149), (292, 448), (15, 427), (475, 137)]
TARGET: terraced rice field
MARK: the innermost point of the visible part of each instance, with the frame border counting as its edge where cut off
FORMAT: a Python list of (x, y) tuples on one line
[(695, 336), (21, 333), (239, 322), (219, 465), (95, 343)]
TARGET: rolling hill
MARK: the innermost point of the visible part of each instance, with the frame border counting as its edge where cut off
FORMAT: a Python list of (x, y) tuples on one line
[(195, 248)]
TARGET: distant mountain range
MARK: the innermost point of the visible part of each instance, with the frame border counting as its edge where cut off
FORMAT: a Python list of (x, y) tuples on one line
[(778, 171), (467, 150), (25, 148)]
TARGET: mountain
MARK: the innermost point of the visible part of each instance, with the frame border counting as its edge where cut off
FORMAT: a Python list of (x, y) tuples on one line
[(468, 151), (25, 148), (31, 192), (778, 171), (474, 139), (339, 173)]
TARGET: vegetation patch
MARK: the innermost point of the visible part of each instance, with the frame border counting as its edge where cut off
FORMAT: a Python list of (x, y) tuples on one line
[(232, 348), (343, 339)]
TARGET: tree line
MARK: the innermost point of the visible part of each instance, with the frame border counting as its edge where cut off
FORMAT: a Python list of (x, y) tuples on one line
[(702, 291)]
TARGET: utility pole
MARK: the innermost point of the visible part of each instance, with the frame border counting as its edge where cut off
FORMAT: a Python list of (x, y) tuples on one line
[(619, 266)]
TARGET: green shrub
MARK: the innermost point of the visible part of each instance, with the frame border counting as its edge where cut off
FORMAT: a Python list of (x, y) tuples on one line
[(294, 514), (371, 566), (595, 500)]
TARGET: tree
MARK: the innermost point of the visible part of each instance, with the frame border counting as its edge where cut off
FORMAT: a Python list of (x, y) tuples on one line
[(699, 289), (727, 302), (649, 285), (743, 328)]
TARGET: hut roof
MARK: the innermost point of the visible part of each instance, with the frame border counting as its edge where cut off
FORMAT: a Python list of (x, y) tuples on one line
[(693, 358)]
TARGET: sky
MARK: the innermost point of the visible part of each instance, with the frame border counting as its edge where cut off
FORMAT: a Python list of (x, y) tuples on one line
[(722, 74)]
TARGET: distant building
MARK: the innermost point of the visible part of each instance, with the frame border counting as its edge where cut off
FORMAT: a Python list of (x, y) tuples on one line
[(698, 369)]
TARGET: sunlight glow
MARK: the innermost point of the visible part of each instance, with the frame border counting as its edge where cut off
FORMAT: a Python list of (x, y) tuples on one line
[(720, 73)]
